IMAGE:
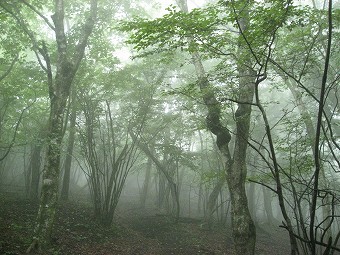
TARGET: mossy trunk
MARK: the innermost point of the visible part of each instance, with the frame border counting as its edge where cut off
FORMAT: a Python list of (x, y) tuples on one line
[(50, 179), (68, 160), (67, 65)]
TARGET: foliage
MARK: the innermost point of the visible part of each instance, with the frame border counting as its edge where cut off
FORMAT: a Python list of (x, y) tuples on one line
[(212, 30), (283, 42)]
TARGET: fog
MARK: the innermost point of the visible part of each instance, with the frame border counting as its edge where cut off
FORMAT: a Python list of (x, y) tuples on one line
[(169, 127)]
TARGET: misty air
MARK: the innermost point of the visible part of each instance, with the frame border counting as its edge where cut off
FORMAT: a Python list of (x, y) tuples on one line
[(184, 127)]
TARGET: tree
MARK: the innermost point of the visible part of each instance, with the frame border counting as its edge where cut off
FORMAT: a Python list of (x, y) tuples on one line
[(109, 156), (235, 166), (22, 111), (200, 33), (66, 66), (312, 230), (166, 169), (11, 52), (69, 151), (34, 170), (210, 62), (5, 105)]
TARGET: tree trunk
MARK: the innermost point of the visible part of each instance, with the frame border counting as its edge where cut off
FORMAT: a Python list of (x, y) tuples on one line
[(243, 227), (200, 198), (69, 152), (251, 194), (34, 170), (49, 192), (212, 201), (307, 119), (59, 90), (163, 169), (267, 201), (161, 194), (146, 183)]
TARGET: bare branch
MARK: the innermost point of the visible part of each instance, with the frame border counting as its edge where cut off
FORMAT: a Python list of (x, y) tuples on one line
[(263, 184), (312, 232), (87, 29), (236, 101)]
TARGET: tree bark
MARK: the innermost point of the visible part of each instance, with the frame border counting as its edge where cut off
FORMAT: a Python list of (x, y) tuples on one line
[(243, 227), (59, 90), (68, 160), (34, 170)]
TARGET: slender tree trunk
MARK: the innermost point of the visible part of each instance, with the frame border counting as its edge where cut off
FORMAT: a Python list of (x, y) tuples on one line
[(267, 201), (244, 232), (200, 198), (212, 201), (162, 169), (68, 159), (307, 119), (251, 194), (34, 170), (161, 190), (146, 183)]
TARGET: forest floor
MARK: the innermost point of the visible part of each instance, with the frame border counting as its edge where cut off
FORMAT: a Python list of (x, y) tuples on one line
[(134, 233)]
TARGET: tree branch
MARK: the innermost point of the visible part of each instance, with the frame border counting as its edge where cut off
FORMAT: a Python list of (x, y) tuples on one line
[(15, 132), (318, 130), (7, 72), (39, 13), (23, 24), (87, 29)]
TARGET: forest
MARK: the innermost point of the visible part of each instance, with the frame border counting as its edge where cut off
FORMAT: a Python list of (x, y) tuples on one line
[(170, 127)]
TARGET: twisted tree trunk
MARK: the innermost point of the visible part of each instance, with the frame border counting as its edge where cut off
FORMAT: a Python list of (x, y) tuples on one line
[(243, 227)]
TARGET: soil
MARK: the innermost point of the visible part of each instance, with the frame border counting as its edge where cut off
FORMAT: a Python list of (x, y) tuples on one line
[(133, 233)]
